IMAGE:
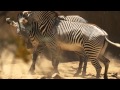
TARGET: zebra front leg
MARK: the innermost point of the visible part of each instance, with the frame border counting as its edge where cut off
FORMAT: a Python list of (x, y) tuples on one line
[(54, 53), (79, 69), (84, 68), (37, 50), (32, 68), (55, 60), (83, 59)]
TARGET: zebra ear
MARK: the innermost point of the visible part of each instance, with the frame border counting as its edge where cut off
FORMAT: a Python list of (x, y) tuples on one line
[(57, 13), (27, 13)]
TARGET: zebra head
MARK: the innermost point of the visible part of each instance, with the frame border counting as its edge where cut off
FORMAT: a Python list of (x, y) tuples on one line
[(26, 13), (39, 15), (24, 25), (14, 24), (21, 33)]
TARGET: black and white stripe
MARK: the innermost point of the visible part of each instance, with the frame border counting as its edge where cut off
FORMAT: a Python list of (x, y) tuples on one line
[(71, 36)]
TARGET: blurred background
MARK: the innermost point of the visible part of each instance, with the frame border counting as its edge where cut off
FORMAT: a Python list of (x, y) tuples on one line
[(9, 40)]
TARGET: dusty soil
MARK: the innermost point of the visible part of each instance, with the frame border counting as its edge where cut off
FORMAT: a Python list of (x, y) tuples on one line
[(12, 68)]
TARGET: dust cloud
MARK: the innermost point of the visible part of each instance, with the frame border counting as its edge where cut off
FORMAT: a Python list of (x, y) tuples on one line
[(15, 68), (114, 63)]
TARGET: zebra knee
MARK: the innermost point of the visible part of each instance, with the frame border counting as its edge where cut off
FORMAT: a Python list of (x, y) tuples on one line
[(55, 63), (97, 67), (108, 61), (105, 60)]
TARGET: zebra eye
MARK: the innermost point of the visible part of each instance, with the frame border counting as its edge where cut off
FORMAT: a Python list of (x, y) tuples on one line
[(25, 15), (25, 21)]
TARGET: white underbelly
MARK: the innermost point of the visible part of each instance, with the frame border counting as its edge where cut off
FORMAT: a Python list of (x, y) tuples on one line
[(69, 47)]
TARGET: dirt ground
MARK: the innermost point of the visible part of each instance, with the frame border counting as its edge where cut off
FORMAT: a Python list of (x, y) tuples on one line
[(12, 68)]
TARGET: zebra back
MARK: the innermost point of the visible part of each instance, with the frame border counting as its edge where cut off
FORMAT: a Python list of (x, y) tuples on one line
[(73, 18)]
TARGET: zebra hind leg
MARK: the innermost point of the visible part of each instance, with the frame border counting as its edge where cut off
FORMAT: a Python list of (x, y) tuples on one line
[(97, 66), (106, 62)]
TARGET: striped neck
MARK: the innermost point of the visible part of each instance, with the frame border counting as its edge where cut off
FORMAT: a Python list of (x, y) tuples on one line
[(46, 20)]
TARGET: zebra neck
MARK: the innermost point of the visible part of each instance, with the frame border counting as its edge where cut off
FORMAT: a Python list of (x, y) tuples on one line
[(48, 28)]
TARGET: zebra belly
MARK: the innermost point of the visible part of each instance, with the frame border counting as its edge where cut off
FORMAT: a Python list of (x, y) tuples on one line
[(68, 46)]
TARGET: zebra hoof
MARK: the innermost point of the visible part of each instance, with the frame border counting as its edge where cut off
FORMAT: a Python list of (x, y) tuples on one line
[(97, 77), (31, 72), (76, 75), (105, 77), (55, 71), (43, 77), (83, 74), (56, 76)]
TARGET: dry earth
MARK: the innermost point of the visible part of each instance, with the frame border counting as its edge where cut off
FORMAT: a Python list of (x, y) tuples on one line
[(12, 68)]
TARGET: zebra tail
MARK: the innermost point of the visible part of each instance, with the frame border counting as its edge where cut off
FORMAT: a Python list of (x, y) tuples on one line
[(115, 44)]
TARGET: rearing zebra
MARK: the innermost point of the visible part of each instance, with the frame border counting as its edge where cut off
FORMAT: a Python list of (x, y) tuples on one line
[(39, 47), (71, 36)]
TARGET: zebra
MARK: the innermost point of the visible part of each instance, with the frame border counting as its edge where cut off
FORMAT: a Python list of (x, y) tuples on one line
[(49, 37), (24, 35), (56, 34), (73, 18), (39, 48)]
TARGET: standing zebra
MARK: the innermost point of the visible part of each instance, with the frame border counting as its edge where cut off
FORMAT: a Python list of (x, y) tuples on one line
[(39, 48), (71, 36)]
